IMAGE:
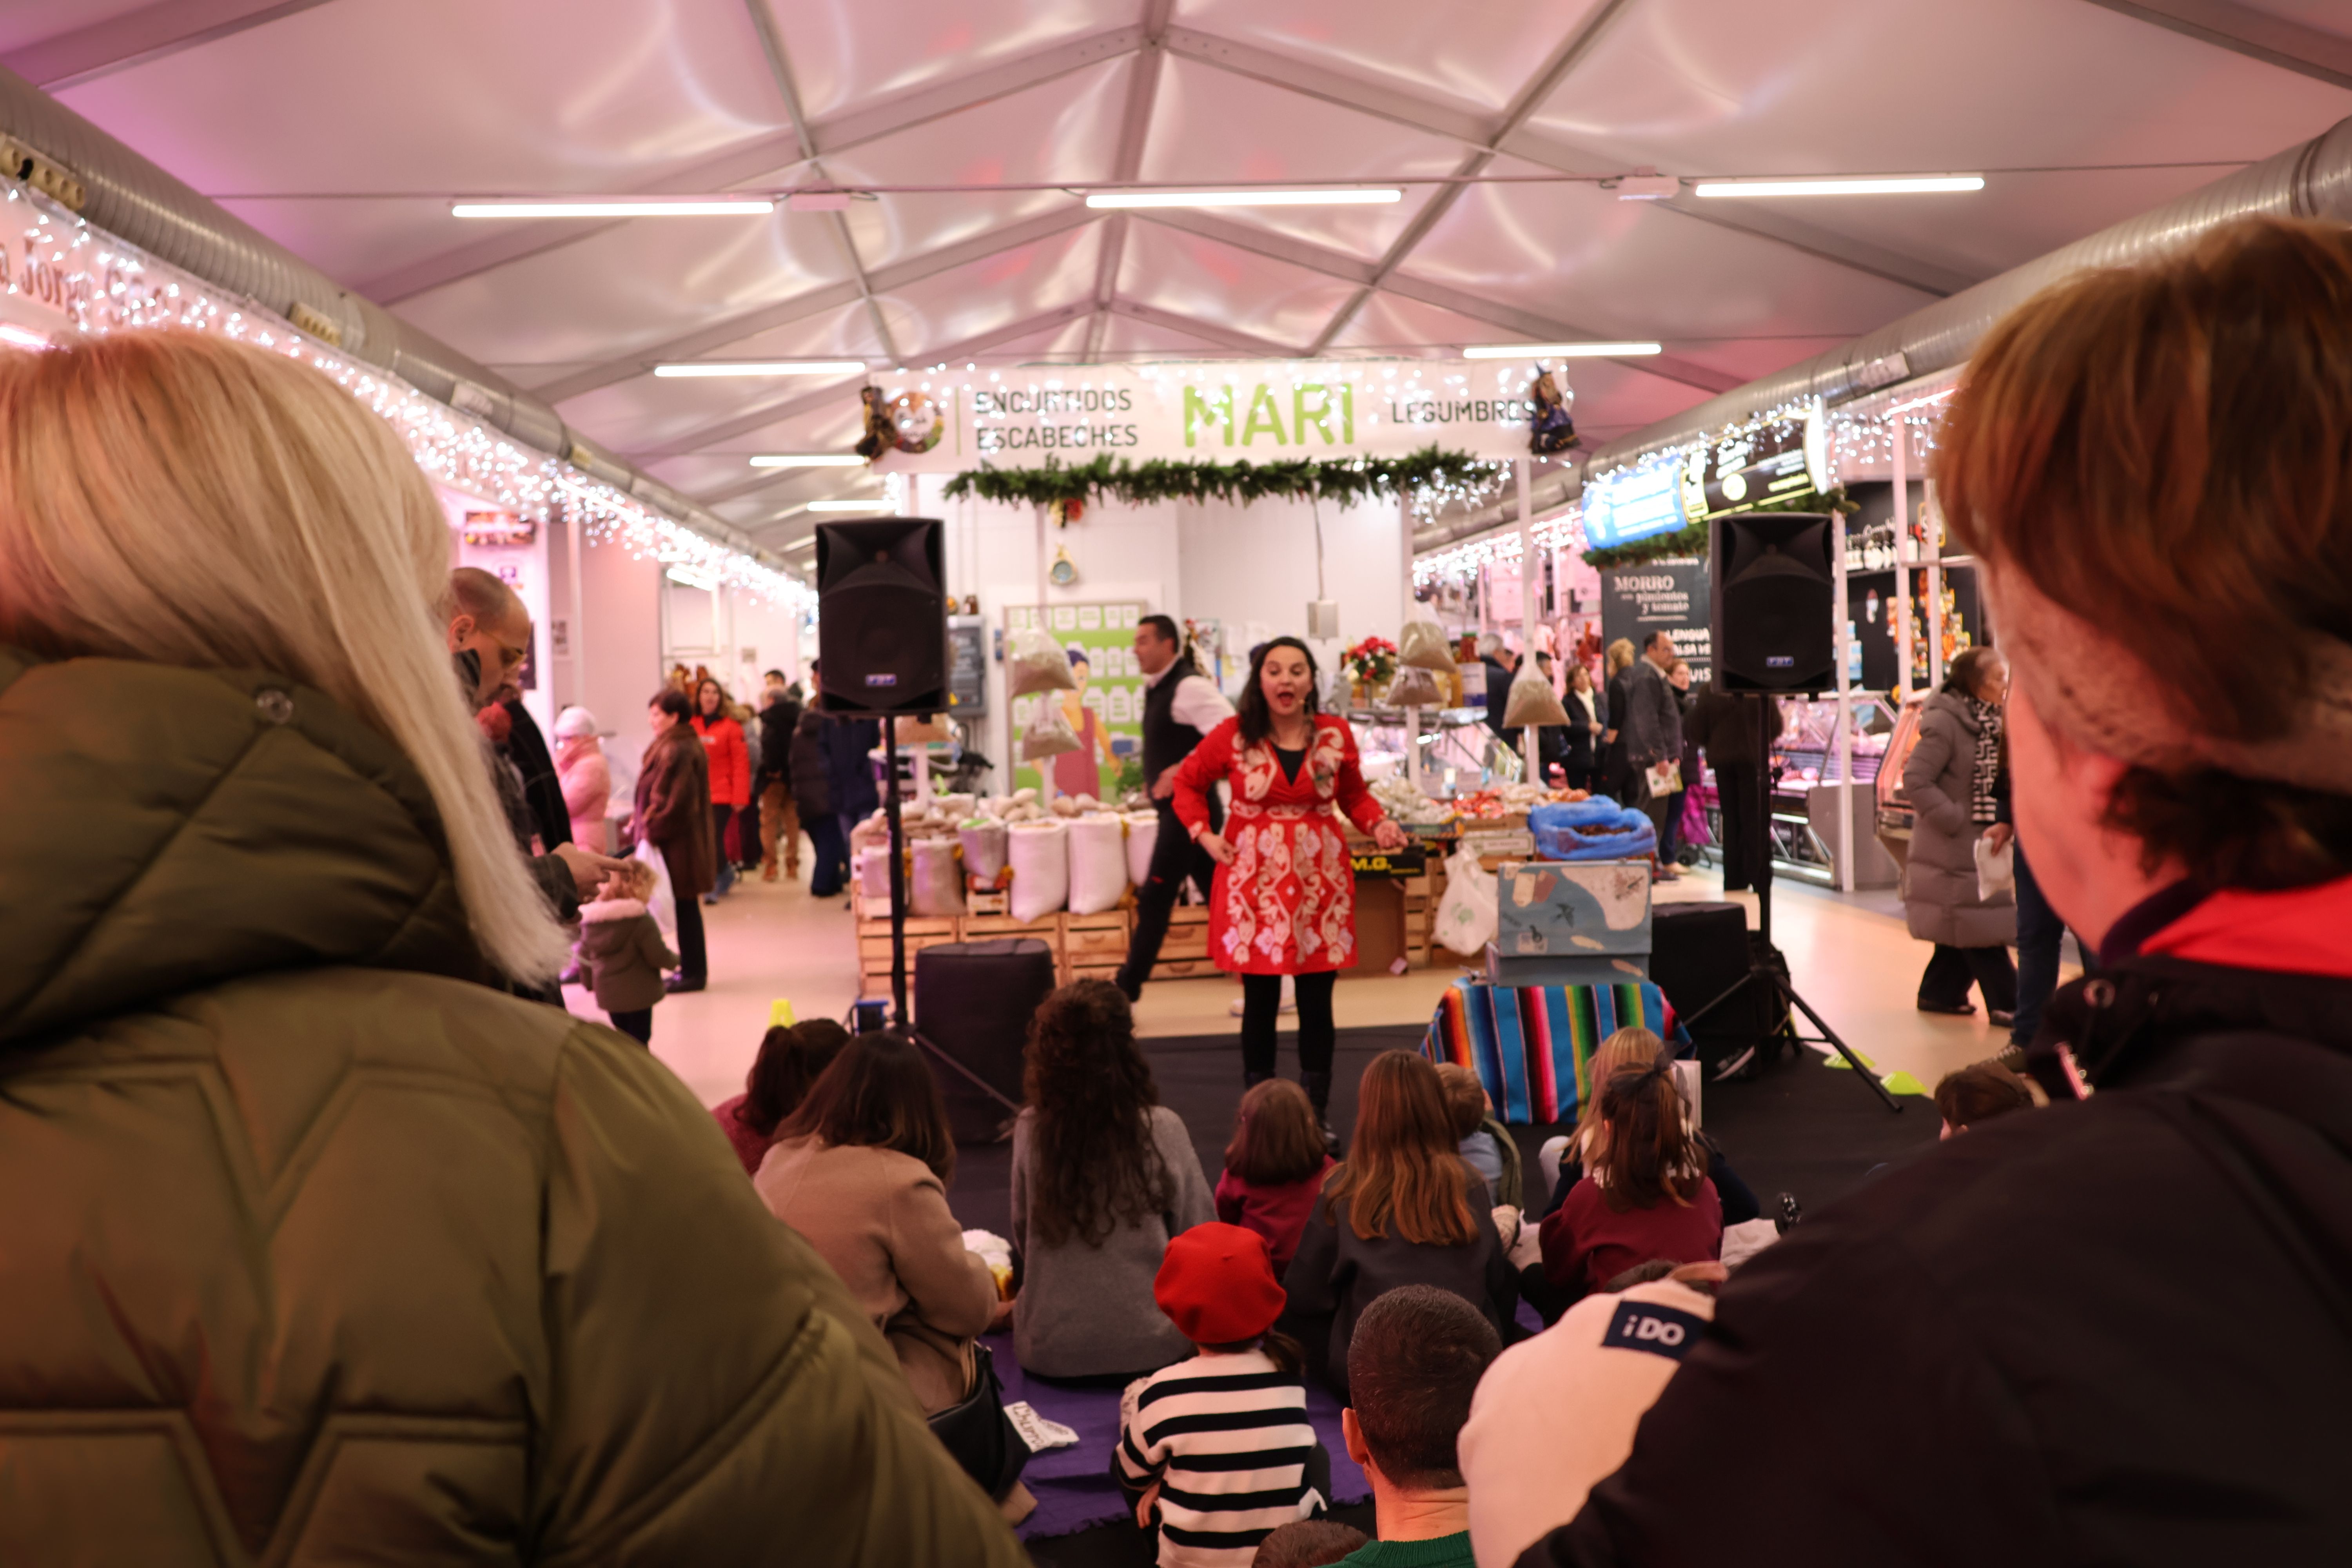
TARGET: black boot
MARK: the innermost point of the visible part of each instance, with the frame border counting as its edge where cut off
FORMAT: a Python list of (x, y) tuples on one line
[(1317, 1086), (1251, 1078)]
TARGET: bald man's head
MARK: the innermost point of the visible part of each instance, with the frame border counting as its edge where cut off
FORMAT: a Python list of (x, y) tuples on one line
[(486, 617)]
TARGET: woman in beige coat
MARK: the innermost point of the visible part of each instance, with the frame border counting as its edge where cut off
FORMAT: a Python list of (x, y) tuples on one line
[(860, 1170)]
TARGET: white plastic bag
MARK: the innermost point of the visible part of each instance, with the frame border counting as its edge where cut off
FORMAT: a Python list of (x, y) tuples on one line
[(1532, 701), (1423, 643), (1039, 854), (1142, 838), (874, 870), (938, 885), (1097, 864), (1996, 869), (662, 903), (1048, 735), (1034, 662), (1467, 914)]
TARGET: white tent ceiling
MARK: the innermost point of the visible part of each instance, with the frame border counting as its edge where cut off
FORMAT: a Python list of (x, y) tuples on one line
[(344, 129)]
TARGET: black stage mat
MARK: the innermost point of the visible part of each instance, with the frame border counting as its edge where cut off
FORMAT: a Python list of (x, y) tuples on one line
[(1801, 1128)]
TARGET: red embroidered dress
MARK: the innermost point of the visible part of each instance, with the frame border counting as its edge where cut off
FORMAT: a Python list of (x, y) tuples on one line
[(1286, 902)]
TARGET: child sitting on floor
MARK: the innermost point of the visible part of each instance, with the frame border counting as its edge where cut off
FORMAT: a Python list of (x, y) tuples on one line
[(621, 954), (1274, 1167), (1979, 1093), (1560, 1162), (1645, 1192), (1487, 1146), (1218, 1448)]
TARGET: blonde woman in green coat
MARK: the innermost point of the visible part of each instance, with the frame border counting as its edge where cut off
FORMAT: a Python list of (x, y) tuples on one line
[(324, 1247)]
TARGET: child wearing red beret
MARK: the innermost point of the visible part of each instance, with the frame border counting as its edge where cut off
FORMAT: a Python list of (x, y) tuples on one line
[(1228, 1424)]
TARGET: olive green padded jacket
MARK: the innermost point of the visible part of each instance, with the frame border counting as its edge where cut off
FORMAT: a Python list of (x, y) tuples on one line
[(317, 1249)]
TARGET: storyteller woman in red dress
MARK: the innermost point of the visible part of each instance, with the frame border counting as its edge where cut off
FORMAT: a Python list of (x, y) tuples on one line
[(1285, 897)]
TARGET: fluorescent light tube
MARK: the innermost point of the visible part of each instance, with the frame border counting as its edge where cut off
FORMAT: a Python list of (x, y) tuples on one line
[(621, 208), (692, 579), (808, 460), (763, 367), (1894, 187), (877, 504), (1345, 195), (1557, 350)]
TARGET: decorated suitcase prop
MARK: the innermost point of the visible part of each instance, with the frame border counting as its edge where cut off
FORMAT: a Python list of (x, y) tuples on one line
[(1561, 923), (1594, 829)]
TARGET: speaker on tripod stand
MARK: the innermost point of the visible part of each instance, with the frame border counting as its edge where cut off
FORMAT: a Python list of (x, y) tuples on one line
[(882, 633), (1773, 634)]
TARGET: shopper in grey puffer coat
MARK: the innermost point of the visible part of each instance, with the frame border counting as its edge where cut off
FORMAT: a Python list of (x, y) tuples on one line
[(1941, 900)]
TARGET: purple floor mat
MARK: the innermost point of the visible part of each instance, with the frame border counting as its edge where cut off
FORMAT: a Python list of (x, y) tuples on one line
[(1073, 1485)]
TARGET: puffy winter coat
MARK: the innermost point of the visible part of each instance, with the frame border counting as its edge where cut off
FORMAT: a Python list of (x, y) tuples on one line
[(1939, 879), (673, 810), (320, 1249), (2112, 1331), (730, 760), (587, 789)]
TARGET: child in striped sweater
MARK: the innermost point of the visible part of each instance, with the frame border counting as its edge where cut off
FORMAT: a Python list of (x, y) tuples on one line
[(1217, 1449)]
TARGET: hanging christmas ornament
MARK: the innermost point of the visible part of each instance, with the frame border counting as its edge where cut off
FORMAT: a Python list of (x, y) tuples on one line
[(1063, 573)]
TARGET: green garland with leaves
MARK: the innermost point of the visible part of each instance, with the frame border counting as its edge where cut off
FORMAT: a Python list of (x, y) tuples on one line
[(1692, 540), (1343, 481)]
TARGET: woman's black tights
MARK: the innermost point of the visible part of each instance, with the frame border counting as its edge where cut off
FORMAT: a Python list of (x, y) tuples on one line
[(1262, 1009)]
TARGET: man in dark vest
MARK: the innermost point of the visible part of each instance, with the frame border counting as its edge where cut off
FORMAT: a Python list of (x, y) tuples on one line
[(1180, 706)]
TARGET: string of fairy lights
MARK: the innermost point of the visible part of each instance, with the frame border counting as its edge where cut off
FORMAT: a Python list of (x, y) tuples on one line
[(1855, 441), (101, 285)]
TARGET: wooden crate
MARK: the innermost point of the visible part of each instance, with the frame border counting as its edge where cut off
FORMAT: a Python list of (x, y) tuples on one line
[(1105, 973), (980, 904), (1183, 969), (1087, 939), (1045, 928)]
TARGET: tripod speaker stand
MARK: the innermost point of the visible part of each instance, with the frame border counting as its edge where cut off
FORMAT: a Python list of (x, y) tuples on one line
[(1763, 976)]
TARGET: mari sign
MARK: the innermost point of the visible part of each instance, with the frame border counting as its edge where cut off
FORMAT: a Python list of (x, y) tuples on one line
[(1269, 411)]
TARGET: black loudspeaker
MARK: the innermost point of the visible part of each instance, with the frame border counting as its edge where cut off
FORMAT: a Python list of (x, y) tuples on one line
[(1774, 602), (882, 616), (972, 1005), (1697, 952)]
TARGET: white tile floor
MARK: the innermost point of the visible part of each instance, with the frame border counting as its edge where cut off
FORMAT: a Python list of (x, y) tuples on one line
[(772, 942)]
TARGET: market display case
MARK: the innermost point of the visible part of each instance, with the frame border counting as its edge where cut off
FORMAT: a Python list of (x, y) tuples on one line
[(1807, 789), (1893, 812)]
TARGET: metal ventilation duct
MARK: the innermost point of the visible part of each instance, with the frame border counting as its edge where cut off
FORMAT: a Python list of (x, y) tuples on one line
[(129, 198), (2313, 179)]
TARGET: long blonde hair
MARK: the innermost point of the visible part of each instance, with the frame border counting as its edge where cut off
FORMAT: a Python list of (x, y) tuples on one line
[(185, 500), (1402, 1168), (1620, 655)]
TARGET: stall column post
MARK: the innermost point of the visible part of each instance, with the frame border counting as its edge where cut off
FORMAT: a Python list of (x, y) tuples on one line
[(1044, 623), (1404, 612), (1900, 435), (1934, 522), (1530, 769), (1841, 646)]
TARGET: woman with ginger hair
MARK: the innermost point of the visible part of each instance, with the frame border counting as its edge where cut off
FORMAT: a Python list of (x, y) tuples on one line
[(339, 1251), (2113, 1330)]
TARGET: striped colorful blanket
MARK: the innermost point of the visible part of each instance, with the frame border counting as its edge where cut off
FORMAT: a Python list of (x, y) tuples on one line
[(1532, 1045)]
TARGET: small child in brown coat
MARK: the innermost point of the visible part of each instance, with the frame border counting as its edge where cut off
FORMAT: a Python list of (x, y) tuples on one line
[(621, 954)]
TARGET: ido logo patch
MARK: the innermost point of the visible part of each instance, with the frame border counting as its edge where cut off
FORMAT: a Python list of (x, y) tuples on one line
[(1661, 1330)]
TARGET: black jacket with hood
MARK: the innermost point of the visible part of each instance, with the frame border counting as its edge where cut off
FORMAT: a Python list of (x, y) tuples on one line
[(2115, 1330)]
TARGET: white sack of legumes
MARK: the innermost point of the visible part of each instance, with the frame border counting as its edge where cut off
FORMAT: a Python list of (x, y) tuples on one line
[(984, 850), (874, 870), (1048, 734), (1142, 837), (1421, 643), (1532, 702), (1414, 688), (938, 885), (1039, 855), (1097, 864), (1034, 662)]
